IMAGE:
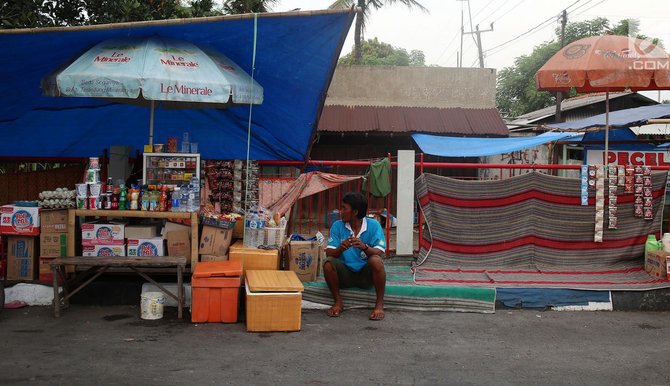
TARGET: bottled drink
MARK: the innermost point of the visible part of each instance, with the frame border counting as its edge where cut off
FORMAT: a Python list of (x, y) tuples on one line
[(195, 189), (260, 229), (176, 198), (183, 199)]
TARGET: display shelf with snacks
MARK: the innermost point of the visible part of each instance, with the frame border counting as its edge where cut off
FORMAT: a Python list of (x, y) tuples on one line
[(170, 169)]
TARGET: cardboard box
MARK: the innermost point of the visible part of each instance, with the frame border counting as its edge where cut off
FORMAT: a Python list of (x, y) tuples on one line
[(304, 258), (103, 250), (208, 258), (20, 258), (53, 221), (179, 244), (45, 272), (53, 244), (215, 241), (141, 231), (655, 263), (98, 233), (173, 226), (19, 220), (146, 247), (273, 301), (238, 229), (254, 258)]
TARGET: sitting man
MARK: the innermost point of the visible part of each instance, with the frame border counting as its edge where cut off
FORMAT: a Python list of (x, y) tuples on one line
[(355, 249)]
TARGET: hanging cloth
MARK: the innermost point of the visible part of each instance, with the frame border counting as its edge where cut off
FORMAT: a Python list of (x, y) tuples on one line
[(380, 178)]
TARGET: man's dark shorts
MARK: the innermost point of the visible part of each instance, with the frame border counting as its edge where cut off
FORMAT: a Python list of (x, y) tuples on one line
[(349, 278)]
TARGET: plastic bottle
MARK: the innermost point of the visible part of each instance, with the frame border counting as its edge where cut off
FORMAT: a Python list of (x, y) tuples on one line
[(183, 199), (122, 197), (176, 198), (195, 189), (260, 228), (652, 245), (665, 240)]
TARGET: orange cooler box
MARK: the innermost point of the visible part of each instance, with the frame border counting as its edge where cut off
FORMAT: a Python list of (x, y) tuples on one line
[(215, 287)]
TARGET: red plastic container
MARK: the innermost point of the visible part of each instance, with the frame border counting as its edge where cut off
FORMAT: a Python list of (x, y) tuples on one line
[(215, 287)]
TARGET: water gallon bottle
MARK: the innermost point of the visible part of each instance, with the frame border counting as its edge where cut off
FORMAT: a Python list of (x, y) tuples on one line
[(652, 245)]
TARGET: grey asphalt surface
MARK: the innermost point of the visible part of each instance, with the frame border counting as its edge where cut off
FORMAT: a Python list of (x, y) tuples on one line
[(92, 345)]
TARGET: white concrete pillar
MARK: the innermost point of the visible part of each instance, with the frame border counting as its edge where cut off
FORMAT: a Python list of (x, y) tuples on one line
[(405, 204)]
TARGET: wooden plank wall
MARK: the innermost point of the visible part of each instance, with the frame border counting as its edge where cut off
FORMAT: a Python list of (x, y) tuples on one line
[(27, 185)]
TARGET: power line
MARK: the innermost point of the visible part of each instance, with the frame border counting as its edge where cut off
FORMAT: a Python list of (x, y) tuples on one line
[(593, 6), (542, 24), (538, 27), (495, 10)]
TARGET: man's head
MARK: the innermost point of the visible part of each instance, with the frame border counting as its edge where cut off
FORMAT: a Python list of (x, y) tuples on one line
[(354, 205)]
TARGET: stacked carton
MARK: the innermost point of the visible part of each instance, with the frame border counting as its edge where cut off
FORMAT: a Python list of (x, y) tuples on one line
[(21, 225), (103, 239), (53, 241)]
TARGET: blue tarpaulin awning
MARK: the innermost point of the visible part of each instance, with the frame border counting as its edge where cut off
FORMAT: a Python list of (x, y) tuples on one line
[(296, 54), (481, 147)]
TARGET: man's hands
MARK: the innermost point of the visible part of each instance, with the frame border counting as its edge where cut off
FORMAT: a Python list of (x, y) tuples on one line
[(353, 242)]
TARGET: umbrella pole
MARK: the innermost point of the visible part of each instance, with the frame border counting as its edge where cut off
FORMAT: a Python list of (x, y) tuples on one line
[(607, 126), (151, 125)]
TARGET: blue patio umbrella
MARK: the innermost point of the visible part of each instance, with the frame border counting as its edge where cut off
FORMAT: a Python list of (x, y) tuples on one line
[(146, 70)]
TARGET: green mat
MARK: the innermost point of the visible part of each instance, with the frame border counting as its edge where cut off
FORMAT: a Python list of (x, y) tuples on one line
[(403, 294)]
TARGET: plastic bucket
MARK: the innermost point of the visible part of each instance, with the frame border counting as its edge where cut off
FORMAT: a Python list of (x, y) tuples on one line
[(151, 305)]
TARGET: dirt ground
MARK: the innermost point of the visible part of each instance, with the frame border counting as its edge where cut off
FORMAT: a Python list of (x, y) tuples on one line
[(112, 345)]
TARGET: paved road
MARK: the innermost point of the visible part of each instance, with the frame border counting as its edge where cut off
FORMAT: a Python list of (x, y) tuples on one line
[(110, 345)]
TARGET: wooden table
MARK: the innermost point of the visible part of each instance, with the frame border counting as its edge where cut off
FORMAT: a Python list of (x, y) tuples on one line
[(72, 225), (98, 265)]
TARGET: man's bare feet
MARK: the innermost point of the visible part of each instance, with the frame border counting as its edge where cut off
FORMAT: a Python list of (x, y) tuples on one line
[(377, 313), (335, 310)]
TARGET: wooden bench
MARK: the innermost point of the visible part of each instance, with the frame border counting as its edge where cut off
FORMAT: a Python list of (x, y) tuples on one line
[(98, 265)]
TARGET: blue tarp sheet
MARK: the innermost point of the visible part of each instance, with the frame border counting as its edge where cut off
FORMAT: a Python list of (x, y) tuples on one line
[(624, 134), (620, 118), (295, 57), (548, 297), (481, 147)]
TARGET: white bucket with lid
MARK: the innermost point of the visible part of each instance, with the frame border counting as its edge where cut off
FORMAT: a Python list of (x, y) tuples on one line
[(151, 305)]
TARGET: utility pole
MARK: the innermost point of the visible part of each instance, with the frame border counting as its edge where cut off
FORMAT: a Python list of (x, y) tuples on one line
[(460, 53), (479, 32), (559, 94)]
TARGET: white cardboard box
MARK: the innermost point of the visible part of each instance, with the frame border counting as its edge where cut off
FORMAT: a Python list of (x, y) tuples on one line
[(20, 220), (94, 233), (146, 247), (104, 250)]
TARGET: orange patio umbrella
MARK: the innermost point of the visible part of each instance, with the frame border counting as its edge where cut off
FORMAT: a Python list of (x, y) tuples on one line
[(603, 64)]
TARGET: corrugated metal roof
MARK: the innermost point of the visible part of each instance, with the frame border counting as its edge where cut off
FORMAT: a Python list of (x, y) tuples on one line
[(574, 103), (401, 119)]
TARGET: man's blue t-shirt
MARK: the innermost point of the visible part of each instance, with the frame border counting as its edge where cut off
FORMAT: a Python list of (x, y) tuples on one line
[(371, 234)]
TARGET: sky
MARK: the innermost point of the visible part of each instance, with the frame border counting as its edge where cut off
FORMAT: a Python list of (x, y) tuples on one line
[(437, 33)]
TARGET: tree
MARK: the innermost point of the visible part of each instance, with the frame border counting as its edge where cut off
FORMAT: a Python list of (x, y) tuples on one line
[(516, 93), (50, 13), (376, 53), (365, 6), (247, 6)]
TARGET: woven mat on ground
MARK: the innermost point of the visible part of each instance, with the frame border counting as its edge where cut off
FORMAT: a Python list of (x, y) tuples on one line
[(402, 294), (531, 231)]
